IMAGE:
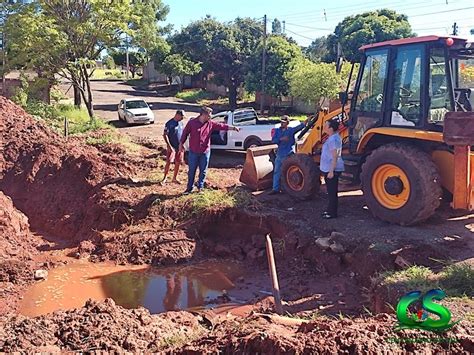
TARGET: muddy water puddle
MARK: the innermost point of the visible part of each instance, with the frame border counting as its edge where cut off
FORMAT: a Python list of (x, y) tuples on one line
[(157, 289)]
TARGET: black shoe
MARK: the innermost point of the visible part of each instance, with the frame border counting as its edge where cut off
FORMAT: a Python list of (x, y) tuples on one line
[(323, 213), (328, 216), (274, 192)]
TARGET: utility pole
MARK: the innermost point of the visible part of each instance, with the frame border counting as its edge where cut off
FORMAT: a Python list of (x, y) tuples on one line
[(455, 29), (264, 59), (127, 58)]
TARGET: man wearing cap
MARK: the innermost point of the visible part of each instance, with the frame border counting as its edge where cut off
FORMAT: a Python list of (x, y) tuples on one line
[(172, 135), (199, 131), (284, 137)]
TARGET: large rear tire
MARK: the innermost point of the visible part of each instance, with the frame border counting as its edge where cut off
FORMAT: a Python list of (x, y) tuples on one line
[(300, 176), (401, 184)]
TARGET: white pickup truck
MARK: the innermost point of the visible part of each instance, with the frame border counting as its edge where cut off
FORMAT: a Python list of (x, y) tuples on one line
[(253, 131)]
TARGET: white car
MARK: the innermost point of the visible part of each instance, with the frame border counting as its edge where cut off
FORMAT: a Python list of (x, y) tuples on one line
[(135, 111), (253, 131)]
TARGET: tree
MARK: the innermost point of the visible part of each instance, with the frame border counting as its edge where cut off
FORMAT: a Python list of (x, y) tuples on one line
[(222, 49), (276, 27), (369, 27), (312, 81), (177, 65), (317, 51), (136, 60), (109, 62), (282, 57), (65, 37)]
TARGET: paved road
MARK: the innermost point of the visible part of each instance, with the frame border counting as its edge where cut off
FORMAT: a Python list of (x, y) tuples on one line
[(107, 95)]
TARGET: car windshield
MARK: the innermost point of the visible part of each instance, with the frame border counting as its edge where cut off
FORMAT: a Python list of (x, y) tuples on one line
[(136, 104)]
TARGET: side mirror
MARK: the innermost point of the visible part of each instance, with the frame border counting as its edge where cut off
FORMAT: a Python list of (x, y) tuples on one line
[(343, 97)]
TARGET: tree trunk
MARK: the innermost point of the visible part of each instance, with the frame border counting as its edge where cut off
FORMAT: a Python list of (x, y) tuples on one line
[(232, 96), (87, 87), (77, 97)]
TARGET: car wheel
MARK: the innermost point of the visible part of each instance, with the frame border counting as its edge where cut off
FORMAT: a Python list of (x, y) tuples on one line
[(252, 143)]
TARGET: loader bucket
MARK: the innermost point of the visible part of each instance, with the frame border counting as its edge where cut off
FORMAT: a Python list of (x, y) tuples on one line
[(257, 172)]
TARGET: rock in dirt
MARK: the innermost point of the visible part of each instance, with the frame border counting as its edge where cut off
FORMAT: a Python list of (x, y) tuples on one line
[(41, 274), (337, 235), (337, 248), (323, 243)]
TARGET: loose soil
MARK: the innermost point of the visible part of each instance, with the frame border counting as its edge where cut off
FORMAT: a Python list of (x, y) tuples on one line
[(63, 199)]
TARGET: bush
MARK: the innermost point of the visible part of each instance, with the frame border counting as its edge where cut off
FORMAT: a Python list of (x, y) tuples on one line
[(195, 95), (54, 115), (108, 74)]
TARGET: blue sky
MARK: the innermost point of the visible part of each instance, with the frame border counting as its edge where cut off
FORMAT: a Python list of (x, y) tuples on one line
[(305, 19)]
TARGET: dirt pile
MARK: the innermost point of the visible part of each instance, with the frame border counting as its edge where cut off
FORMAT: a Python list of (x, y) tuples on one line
[(373, 335), (16, 240), (55, 182), (99, 326), (17, 249)]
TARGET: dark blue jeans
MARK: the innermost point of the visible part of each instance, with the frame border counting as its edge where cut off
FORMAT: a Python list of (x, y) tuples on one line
[(195, 160)]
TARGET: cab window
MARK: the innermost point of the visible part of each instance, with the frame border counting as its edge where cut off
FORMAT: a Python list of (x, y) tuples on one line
[(370, 96), (406, 99), (440, 101)]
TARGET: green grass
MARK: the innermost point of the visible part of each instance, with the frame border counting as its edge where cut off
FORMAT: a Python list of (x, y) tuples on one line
[(207, 98), (457, 280), (79, 121), (107, 74), (208, 200), (111, 135), (195, 95), (413, 278), (54, 115)]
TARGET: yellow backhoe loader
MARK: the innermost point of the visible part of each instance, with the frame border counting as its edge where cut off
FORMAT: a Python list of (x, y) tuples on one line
[(407, 129)]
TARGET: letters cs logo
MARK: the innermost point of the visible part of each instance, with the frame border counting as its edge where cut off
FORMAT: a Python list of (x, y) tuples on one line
[(421, 319)]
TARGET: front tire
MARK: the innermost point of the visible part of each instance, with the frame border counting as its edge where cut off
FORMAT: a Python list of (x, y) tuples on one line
[(401, 184), (300, 176)]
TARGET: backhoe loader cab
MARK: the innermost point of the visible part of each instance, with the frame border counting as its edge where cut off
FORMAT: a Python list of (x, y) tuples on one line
[(407, 130), (409, 83)]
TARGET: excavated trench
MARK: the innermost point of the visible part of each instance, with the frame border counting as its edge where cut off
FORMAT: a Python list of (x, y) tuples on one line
[(227, 267)]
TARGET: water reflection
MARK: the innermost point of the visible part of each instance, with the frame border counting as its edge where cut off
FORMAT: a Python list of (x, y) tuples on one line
[(159, 289), (170, 289)]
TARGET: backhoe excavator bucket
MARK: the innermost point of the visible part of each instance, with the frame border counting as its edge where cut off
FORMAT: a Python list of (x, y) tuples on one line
[(258, 167)]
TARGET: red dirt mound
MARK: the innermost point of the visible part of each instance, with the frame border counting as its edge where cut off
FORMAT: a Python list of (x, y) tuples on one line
[(52, 180), (372, 335), (17, 247), (99, 326), (16, 240)]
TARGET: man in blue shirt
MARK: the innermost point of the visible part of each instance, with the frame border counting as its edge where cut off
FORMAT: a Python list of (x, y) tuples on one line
[(172, 135), (285, 138)]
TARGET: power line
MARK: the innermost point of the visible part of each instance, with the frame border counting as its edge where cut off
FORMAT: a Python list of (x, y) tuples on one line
[(443, 12), (311, 28), (297, 34), (347, 10)]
